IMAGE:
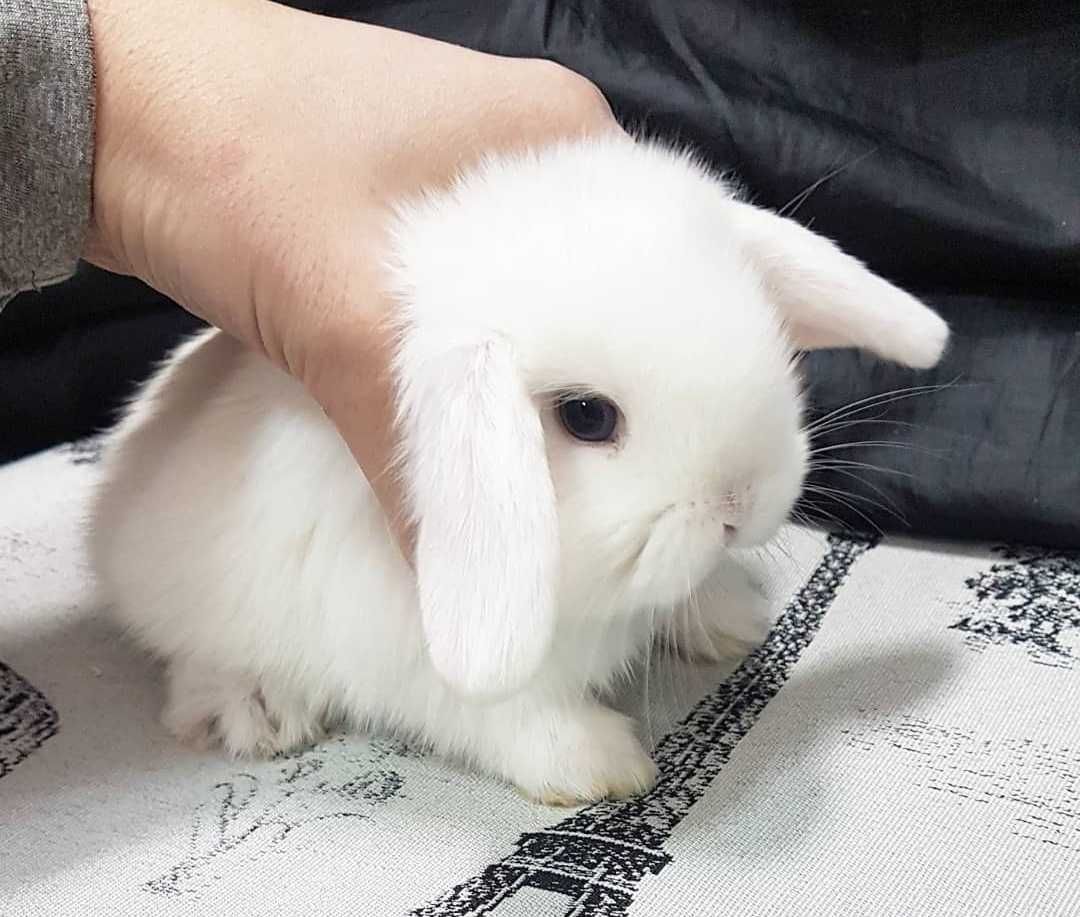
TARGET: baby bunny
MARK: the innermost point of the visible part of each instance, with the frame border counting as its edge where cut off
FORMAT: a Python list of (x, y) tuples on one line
[(599, 403)]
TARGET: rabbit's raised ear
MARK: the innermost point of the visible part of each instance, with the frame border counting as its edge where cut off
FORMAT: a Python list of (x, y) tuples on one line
[(829, 299), (484, 508)]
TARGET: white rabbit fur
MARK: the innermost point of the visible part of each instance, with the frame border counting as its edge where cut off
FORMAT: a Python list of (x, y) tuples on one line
[(235, 538)]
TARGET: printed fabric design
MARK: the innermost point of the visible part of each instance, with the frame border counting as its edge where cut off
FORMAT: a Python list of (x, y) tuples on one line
[(1030, 788), (27, 719), (256, 814), (598, 857), (1031, 601)]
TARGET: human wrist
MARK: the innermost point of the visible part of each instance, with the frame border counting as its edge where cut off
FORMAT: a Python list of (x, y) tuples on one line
[(168, 128), (247, 154)]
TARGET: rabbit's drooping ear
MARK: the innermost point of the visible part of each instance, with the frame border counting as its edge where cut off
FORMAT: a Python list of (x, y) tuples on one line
[(484, 506), (829, 299)]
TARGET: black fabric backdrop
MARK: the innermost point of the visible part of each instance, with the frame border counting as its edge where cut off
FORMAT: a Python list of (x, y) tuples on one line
[(950, 133)]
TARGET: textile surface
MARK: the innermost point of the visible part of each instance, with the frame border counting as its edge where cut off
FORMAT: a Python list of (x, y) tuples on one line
[(906, 740), (935, 140)]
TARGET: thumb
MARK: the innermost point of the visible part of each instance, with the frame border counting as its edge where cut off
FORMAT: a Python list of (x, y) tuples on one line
[(348, 371)]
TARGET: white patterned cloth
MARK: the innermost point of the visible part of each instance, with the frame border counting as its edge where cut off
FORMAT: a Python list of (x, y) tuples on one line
[(905, 742)]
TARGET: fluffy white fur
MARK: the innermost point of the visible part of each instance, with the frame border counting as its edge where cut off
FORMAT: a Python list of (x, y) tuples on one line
[(236, 540)]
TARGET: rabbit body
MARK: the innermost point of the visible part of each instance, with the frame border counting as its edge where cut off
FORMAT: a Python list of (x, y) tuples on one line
[(236, 539)]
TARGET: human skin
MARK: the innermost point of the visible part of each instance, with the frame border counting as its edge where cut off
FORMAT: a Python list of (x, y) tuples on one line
[(246, 153)]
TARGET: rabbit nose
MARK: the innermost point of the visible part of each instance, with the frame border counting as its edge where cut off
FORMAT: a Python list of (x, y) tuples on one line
[(734, 504)]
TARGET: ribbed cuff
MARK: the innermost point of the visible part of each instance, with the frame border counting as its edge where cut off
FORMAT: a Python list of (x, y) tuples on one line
[(46, 140)]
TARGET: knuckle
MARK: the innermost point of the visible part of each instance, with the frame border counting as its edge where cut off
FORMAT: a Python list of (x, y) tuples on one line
[(578, 96)]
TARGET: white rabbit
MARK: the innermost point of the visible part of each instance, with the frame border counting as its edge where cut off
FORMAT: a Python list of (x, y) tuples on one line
[(599, 402)]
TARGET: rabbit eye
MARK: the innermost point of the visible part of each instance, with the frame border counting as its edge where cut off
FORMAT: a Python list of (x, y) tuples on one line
[(591, 420)]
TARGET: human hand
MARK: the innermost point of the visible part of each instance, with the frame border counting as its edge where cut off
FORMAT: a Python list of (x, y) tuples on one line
[(245, 156)]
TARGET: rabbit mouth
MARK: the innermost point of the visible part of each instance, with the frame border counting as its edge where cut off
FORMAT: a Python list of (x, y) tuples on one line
[(680, 549)]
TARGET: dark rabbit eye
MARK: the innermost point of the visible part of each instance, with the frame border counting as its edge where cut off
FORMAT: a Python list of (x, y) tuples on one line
[(592, 420)]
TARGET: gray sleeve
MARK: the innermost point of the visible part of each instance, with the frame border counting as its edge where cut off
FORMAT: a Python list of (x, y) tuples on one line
[(46, 140)]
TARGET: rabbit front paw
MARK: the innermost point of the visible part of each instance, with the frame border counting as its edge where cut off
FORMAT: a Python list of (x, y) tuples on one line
[(726, 620), (587, 755)]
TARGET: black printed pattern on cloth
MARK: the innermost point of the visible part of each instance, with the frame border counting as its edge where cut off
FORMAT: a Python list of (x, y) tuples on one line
[(27, 719), (1030, 788), (598, 856), (253, 815), (1031, 601)]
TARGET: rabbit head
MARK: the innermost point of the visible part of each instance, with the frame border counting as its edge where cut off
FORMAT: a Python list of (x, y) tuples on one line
[(598, 387)]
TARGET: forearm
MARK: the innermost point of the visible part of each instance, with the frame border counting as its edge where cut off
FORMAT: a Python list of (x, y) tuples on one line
[(46, 140)]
